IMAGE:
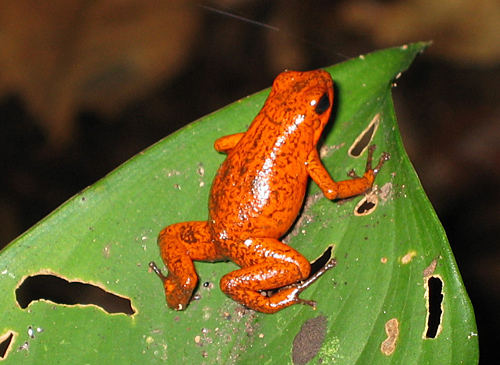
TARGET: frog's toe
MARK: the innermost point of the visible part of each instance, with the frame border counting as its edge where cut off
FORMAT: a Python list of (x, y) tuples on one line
[(311, 303)]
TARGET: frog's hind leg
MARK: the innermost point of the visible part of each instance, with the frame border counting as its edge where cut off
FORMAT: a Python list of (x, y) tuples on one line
[(180, 244), (269, 264)]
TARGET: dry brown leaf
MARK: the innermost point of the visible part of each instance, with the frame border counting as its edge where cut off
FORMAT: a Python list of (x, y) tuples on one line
[(464, 32), (65, 56)]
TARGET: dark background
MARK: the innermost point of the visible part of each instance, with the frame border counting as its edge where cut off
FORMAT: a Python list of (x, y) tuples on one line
[(84, 86)]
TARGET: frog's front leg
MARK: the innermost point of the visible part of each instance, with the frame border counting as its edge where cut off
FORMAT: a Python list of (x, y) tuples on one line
[(267, 264), (180, 244), (345, 188), (227, 143)]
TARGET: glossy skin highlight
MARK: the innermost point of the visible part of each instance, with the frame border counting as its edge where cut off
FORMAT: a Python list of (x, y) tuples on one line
[(255, 198)]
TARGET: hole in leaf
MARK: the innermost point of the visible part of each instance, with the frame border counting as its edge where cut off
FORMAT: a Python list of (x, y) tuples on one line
[(316, 265), (365, 137), (321, 261), (61, 291), (434, 306), (366, 205), (5, 344)]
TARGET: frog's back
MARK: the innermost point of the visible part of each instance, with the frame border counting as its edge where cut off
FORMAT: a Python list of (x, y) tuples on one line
[(260, 187), (258, 191)]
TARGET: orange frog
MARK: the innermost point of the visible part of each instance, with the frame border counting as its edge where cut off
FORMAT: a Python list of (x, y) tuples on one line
[(255, 198)]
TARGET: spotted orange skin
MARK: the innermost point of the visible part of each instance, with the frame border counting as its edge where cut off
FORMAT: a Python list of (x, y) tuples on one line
[(255, 198)]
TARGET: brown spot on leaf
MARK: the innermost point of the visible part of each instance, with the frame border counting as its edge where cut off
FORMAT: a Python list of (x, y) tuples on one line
[(406, 259), (309, 340), (392, 330), (429, 270)]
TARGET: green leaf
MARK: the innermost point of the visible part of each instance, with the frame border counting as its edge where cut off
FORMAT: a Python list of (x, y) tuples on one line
[(106, 236)]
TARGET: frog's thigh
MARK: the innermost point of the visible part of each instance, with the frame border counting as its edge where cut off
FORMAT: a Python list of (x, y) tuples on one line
[(266, 264), (180, 244), (191, 240), (272, 265)]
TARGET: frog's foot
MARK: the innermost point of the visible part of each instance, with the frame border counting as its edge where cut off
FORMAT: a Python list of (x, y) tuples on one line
[(369, 169), (303, 285), (177, 292), (385, 156)]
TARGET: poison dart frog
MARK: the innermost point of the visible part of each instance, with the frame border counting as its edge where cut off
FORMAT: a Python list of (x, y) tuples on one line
[(255, 198)]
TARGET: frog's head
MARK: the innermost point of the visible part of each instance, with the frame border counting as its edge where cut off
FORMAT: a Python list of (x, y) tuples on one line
[(306, 100)]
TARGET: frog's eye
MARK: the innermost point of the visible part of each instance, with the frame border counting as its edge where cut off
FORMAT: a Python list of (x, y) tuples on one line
[(322, 105)]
